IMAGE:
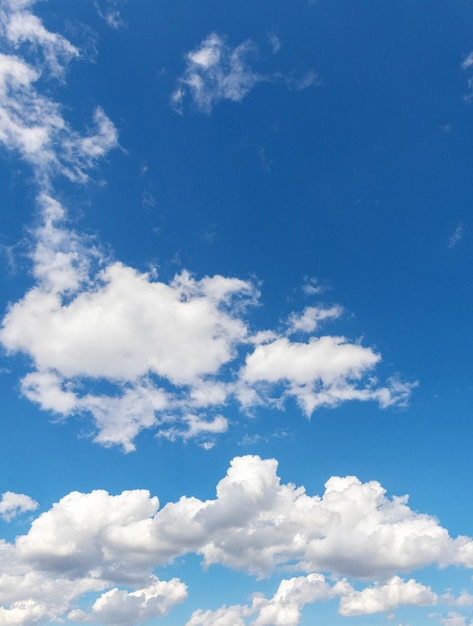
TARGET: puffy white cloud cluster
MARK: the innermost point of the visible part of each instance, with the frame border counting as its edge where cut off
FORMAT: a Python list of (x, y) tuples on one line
[(176, 353), (119, 607), (385, 597), (110, 544), (254, 524), (283, 609)]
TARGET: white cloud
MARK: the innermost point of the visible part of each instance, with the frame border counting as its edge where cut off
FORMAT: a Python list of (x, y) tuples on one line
[(255, 524), (325, 371), (468, 61), (110, 12), (31, 124), (309, 320), (464, 599), (122, 608), (385, 597), (457, 235), (168, 350), (283, 609), (215, 72), (455, 619), (97, 542), (32, 598), (13, 504), (224, 616)]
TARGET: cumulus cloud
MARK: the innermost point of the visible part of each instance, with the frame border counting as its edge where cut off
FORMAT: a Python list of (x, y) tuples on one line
[(283, 609), (173, 353), (112, 543), (33, 598), (385, 597), (122, 608), (215, 71), (311, 317), (13, 504), (325, 371), (255, 524)]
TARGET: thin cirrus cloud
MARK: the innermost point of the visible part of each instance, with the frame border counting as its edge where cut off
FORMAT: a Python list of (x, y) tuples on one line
[(175, 354), (109, 545), (215, 71)]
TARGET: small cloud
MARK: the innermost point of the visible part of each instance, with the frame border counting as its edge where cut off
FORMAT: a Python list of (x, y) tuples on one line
[(148, 201), (14, 504), (457, 235), (265, 162), (215, 71), (274, 42), (108, 11), (312, 287), (467, 62)]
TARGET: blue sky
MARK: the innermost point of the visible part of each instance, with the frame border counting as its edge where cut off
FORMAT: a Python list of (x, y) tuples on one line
[(236, 306)]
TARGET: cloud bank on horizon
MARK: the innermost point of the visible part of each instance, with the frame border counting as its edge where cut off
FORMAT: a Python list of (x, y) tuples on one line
[(256, 524)]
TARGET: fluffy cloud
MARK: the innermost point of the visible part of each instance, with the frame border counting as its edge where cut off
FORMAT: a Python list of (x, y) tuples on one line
[(13, 504), (310, 318), (169, 350), (283, 609), (112, 543), (122, 608), (325, 371), (254, 524), (386, 597), (32, 598)]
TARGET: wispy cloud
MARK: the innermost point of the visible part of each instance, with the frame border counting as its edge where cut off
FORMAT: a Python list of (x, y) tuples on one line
[(110, 12), (215, 71), (31, 124), (457, 235)]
